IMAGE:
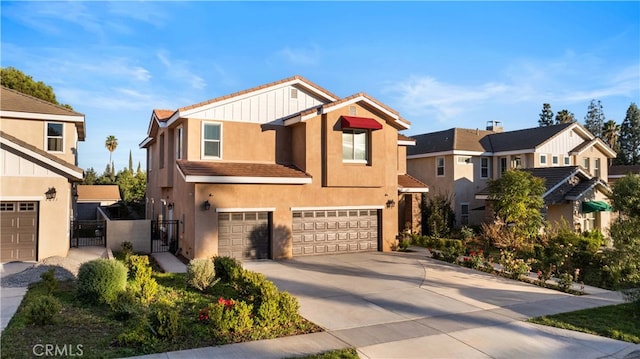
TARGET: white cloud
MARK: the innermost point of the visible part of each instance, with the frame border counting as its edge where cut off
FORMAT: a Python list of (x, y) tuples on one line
[(179, 70), (301, 56)]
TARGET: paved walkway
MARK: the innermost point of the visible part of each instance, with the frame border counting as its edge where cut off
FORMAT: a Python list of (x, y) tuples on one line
[(403, 305)]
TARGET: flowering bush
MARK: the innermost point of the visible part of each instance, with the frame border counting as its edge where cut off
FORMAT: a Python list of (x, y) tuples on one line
[(516, 267), (476, 260)]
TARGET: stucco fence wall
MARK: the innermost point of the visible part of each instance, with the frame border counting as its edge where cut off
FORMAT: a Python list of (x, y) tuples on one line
[(138, 232)]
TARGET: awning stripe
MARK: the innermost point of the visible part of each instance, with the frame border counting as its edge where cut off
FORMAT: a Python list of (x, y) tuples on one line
[(360, 123)]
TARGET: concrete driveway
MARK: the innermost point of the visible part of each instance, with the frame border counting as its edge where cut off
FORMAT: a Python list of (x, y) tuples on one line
[(405, 305)]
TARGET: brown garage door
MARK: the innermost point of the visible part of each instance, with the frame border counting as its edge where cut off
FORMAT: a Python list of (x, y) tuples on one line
[(19, 231), (244, 235), (334, 231)]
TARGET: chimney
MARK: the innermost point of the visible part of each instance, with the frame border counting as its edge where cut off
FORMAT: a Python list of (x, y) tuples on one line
[(495, 126)]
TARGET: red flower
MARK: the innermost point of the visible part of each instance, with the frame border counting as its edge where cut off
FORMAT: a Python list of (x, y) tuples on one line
[(228, 303)]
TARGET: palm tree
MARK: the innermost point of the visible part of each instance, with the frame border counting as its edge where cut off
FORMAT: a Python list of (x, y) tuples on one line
[(111, 143), (610, 132)]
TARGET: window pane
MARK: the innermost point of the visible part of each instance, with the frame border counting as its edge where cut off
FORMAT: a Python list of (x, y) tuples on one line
[(360, 146), (347, 145), (54, 144), (212, 149), (54, 129), (211, 131)]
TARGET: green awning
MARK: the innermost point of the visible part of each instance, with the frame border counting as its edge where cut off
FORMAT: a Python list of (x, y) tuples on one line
[(595, 206)]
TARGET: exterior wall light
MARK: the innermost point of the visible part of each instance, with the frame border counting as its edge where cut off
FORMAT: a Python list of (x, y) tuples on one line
[(51, 193), (206, 205), (391, 203)]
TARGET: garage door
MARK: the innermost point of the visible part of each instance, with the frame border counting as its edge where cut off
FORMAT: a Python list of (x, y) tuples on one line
[(244, 235), (334, 231), (19, 231)]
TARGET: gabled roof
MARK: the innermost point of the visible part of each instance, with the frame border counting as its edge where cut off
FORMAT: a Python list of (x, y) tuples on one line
[(408, 184), (241, 172), (568, 183), (43, 158), (360, 97), (594, 142), (528, 138), (98, 193), (14, 104), (461, 139)]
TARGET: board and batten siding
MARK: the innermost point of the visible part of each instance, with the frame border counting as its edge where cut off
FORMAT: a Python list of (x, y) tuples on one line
[(261, 108), (562, 144), (12, 165)]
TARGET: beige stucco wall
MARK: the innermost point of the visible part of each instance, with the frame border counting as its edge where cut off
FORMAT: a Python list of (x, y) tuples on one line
[(54, 214), (33, 132), (138, 232)]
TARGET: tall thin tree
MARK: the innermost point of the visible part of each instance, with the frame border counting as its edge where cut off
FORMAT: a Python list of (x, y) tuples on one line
[(630, 136), (610, 133), (111, 143), (546, 116), (594, 120)]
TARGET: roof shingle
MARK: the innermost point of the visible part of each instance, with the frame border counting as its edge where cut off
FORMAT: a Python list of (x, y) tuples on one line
[(239, 169)]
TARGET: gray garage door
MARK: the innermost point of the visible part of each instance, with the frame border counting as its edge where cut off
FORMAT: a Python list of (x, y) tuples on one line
[(19, 231), (334, 231), (244, 235)]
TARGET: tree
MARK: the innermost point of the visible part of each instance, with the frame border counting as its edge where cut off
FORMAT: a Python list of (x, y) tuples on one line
[(90, 176), (130, 162), (517, 202), (107, 176), (610, 133), (564, 116), (625, 196), (629, 140), (111, 143), (15, 79), (594, 120), (438, 217), (546, 116)]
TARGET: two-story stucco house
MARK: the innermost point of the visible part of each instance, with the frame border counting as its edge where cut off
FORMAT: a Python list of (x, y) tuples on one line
[(459, 162), (279, 170), (38, 171)]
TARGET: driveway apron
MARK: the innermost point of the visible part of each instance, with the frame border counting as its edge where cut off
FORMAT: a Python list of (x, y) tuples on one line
[(405, 305)]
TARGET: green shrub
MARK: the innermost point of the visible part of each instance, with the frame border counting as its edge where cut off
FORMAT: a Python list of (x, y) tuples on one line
[(516, 267), (141, 282), (100, 280), (166, 321), (227, 268), (125, 306), (201, 274), (126, 248), (231, 316), (49, 280), (42, 310), (565, 281)]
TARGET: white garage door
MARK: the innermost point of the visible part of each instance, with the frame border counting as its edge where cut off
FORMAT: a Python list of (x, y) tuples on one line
[(334, 231), (19, 231), (244, 235)]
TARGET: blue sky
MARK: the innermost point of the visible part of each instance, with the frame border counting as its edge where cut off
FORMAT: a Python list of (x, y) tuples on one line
[(440, 64)]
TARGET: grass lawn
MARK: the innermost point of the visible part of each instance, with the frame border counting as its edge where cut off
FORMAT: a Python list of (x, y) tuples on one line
[(335, 354), (616, 321), (98, 332)]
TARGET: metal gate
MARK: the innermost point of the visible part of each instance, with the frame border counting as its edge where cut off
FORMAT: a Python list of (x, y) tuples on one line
[(164, 236), (86, 233)]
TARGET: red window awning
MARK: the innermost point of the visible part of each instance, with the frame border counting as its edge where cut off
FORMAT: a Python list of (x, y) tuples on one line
[(360, 123)]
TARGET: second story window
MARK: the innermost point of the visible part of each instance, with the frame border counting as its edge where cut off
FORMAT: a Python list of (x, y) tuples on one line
[(503, 165), (161, 148), (179, 143), (211, 140), (440, 166), (585, 163), (55, 137), (355, 146), (484, 167), (567, 161), (554, 160), (596, 167), (543, 160), (516, 163)]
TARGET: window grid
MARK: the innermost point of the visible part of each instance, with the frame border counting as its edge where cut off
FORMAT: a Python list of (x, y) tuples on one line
[(55, 137), (212, 140), (355, 146), (440, 166)]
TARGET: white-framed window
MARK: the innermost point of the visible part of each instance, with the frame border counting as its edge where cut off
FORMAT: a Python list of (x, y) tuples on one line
[(355, 146), (567, 161), (588, 221), (55, 137), (149, 158), (585, 163), (516, 162), (543, 160), (555, 160), (485, 168), (596, 167), (464, 160), (439, 166), (464, 214), (211, 140), (503, 165), (178, 143)]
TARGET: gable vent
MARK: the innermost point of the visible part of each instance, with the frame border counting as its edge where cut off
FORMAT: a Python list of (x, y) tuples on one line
[(352, 110), (294, 93)]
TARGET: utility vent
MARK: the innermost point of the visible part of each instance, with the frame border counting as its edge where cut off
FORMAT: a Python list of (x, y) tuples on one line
[(294, 93), (352, 110), (495, 126)]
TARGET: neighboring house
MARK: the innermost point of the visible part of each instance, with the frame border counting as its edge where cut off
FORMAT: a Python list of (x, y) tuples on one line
[(459, 162), (90, 197), (38, 171), (619, 171), (280, 170)]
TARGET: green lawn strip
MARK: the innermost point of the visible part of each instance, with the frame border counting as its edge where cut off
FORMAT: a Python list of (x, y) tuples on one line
[(616, 321), (335, 354), (96, 329)]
